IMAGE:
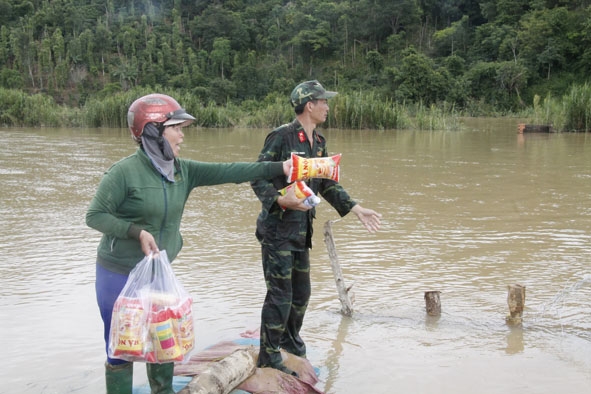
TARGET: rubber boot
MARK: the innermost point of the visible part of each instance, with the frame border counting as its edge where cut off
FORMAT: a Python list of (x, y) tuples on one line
[(160, 378), (119, 378)]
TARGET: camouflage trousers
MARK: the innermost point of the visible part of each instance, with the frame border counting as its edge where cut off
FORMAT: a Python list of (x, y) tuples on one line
[(287, 275)]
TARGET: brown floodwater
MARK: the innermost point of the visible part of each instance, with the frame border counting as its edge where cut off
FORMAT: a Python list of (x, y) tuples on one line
[(465, 212)]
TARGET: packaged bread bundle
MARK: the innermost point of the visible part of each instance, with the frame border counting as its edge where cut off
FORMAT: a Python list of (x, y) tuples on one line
[(301, 190), (185, 328), (171, 327), (165, 339), (129, 331), (318, 167)]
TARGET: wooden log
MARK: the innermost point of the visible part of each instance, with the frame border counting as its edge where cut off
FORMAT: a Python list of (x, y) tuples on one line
[(343, 291), (533, 128), (433, 303), (222, 376), (516, 302)]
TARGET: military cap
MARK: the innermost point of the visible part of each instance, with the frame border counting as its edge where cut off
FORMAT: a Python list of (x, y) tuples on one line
[(308, 91)]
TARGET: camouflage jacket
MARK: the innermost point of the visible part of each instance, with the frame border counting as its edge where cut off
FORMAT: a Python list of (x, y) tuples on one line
[(291, 229)]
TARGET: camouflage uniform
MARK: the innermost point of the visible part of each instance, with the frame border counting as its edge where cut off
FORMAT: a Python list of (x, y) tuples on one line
[(286, 236)]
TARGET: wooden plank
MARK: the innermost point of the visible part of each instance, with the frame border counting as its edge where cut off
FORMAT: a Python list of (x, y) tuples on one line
[(343, 291)]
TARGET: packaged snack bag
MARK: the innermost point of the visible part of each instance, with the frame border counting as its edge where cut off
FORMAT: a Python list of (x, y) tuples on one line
[(302, 190), (318, 167)]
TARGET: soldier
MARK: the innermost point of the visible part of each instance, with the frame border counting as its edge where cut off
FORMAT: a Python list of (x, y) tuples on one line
[(284, 226)]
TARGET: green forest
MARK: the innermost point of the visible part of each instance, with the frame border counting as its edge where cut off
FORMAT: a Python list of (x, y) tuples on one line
[(475, 58)]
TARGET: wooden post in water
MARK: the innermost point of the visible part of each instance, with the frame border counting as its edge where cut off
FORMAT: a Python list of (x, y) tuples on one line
[(346, 304), (433, 303), (516, 302)]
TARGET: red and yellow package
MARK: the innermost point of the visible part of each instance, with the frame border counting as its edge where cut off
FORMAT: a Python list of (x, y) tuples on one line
[(318, 167), (128, 329), (171, 327), (301, 190), (164, 338), (185, 328)]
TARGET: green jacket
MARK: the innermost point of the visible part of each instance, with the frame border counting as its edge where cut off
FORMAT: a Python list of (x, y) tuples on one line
[(133, 196), (290, 229)]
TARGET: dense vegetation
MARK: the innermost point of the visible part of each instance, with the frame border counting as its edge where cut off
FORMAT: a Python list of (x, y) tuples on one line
[(237, 57)]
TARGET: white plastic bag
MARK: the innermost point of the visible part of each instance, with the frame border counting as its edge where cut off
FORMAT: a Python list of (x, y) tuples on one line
[(152, 318)]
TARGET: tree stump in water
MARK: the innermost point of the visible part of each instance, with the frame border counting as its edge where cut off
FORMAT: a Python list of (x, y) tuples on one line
[(433, 303), (516, 302)]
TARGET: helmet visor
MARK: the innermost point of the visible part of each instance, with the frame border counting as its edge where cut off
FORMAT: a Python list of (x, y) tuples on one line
[(178, 116)]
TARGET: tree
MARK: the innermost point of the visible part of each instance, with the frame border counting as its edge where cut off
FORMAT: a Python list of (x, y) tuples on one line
[(214, 22), (375, 61), (11, 79), (494, 42), (494, 83), (127, 72), (505, 12), (512, 77), (5, 53), (546, 39), (551, 56), (375, 20), (417, 80), (454, 38), (310, 36), (102, 43), (247, 77), (23, 47), (45, 62), (220, 55)]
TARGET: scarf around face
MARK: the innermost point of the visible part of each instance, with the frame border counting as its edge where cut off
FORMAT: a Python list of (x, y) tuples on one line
[(159, 151)]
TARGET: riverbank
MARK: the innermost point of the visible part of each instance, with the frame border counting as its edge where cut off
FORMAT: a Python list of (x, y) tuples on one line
[(348, 110)]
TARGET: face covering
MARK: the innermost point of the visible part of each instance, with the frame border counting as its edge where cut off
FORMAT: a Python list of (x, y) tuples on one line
[(159, 151)]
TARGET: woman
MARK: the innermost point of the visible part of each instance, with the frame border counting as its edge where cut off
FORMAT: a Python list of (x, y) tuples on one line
[(138, 207)]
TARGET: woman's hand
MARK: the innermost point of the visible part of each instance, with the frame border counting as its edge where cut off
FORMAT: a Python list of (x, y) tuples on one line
[(287, 165), (148, 243)]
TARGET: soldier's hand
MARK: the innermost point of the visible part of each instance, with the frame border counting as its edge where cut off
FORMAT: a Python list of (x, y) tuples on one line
[(290, 201), (369, 218)]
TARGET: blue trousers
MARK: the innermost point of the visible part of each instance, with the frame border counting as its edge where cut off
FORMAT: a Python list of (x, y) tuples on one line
[(108, 285)]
